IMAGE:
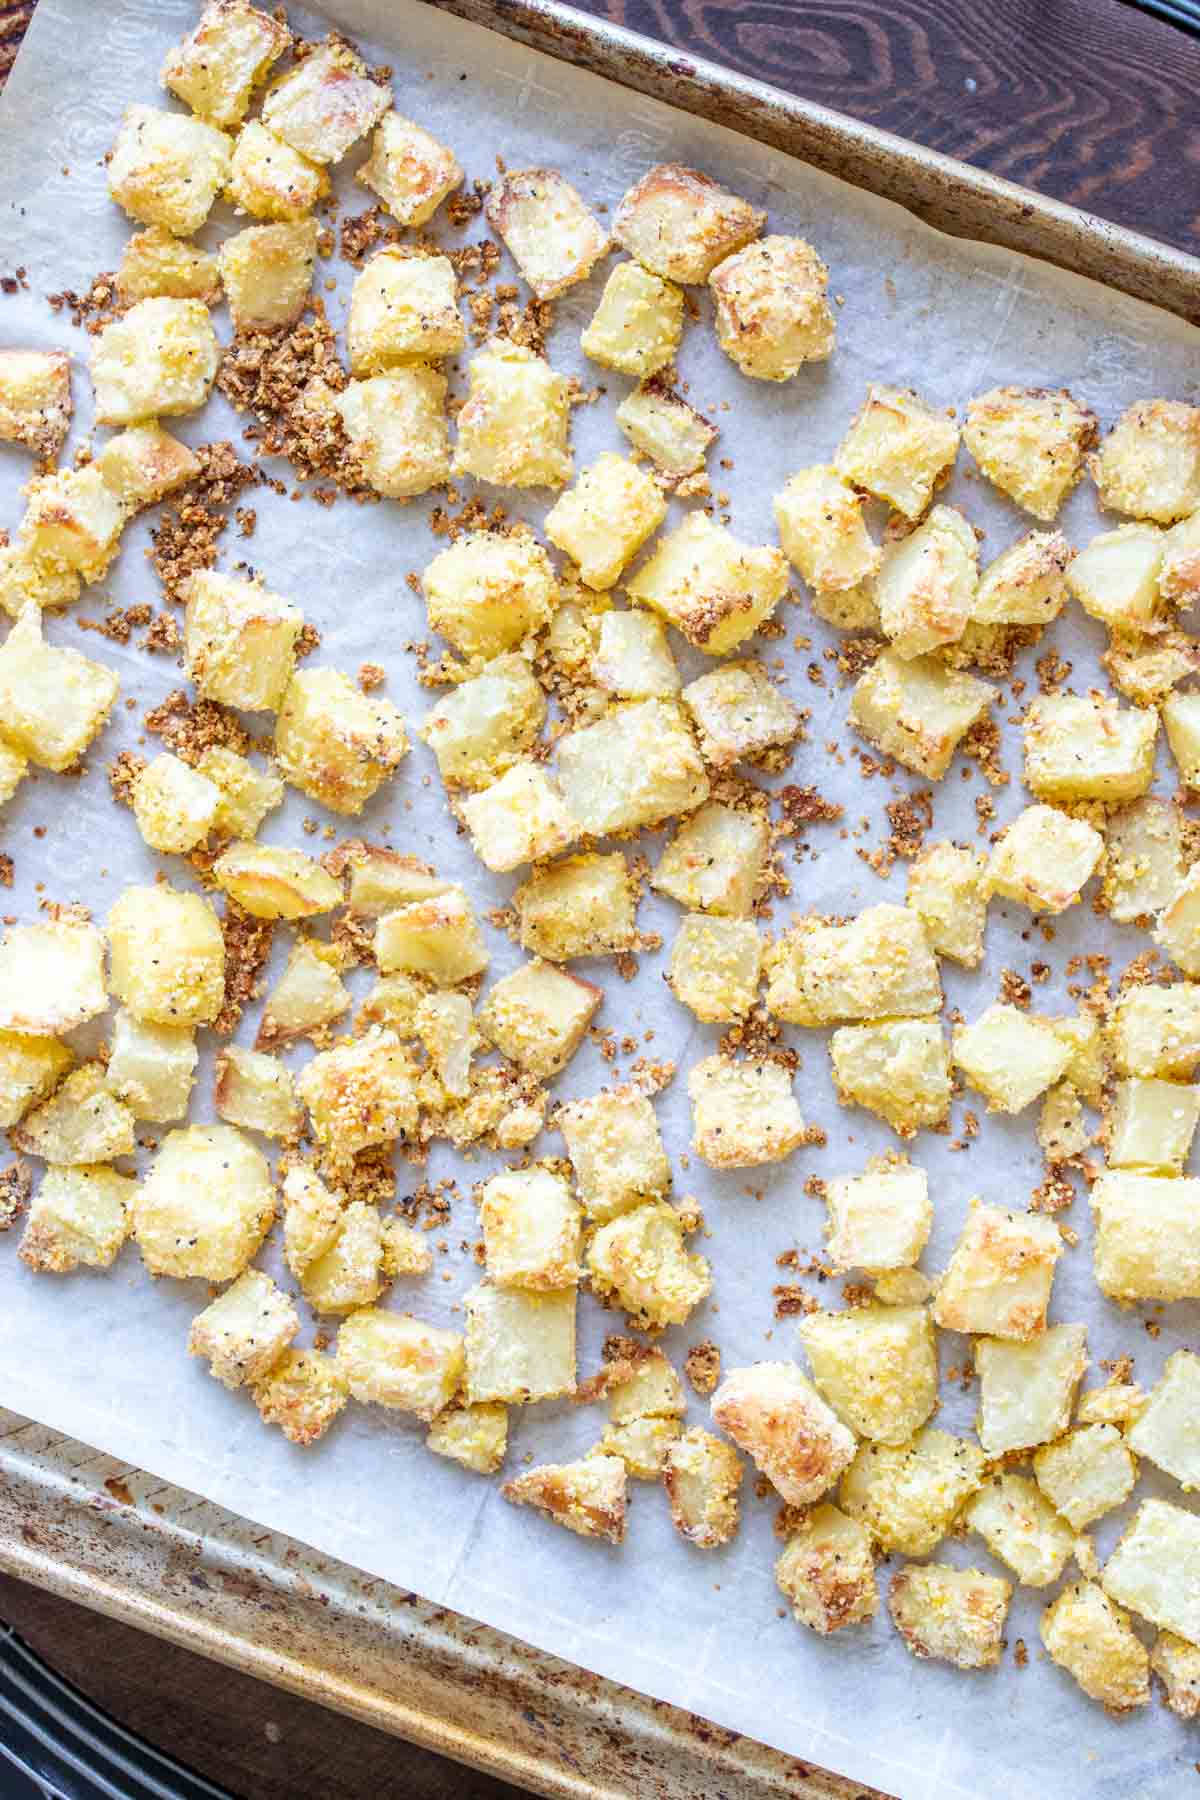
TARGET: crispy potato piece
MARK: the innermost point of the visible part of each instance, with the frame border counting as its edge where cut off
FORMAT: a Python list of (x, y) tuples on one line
[(166, 168), (639, 1261), (31, 1066), (30, 576), (1044, 859), (520, 818), (71, 531), (144, 464), (917, 710), (603, 521), (396, 424), (326, 103), (335, 743), (79, 1215), (205, 1205), (743, 1113), (715, 966), (637, 326), (152, 1067), (880, 1219), (633, 659), (1027, 583), (948, 891), (256, 1092), (403, 306), (487, 591), (361, 1093), (898, 1068), (532, 1229), (583, 906), (879, 965), (876, 1366), (537, 1016), (520, 1346), (514, 427), (303, 1394), (226, 55), (158, 358), (714, 589), (680, 224), (348, 1273), (1030, 443), (1165, 1429), (1021, 1528), (1147, 1244), (956, 1615), (312, 1217), (1115, 577), (269, 179), (1156, 1031), (1149, 464), (548, 231), (273, 883), (773, 1413), (391, 1359), (245, 1331), (926, 582), (1093, 1640), (35, 400), (1011, 1057), (1026, 1389), (772, 316), (739, 713), (240, 640), (81, 1122), (636, 766), (51, 976), (665, 428), (157, 265), (410, 171), (588, 1497), (174, 805), (445, 1025), (1086, 1473), (474, 1436), (616, 1150), (827, 1571), (167, 956), (898, 448), (907, 1495), (1152, 1125), (1177, 1665), (308, 995), (821, 528), (702, 1475), (438, 937), (267, 271), (1000, 1274), (1179, 576), (1154, 1568), (715, 859)]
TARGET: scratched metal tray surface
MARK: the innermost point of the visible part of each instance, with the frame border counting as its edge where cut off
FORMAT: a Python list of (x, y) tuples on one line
[(106, 1535)]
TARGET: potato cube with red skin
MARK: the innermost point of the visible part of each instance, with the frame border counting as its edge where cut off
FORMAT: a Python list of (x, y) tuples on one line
[(396, 424), (166, 168), (303, 1394), (714, 589), (537, 1016), (821, 528), (514, 427), (267, 271), (78, 1217), (403, 306), (225, 56), (898, 448), (1149, 464), (637, 326), (240, 640), (1000, 1274), (548, 231), (588, 1497), (925, 586), (956, 1615), (603, 521), (531, 1225), (702, 1475), (35, 400), (205, 1204), (827, 1571), (1044, 859), (680, 224), (326, 103), (335, 743), (269, 179), (410, 171), (245, 1330), (773, 1413), (488, 590), (1030, 443)]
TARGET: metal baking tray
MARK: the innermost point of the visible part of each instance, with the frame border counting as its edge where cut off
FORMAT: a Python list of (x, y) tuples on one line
[(108, 1536)]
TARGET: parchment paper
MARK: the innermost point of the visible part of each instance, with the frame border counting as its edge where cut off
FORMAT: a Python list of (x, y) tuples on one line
[(103, 1357)]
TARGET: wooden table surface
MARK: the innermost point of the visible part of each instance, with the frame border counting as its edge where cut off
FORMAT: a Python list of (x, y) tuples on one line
[(1091, 101)]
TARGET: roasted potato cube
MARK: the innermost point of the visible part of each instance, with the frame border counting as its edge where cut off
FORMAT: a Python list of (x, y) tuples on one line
[(714, 589), (588, 1497), (225, 56), (267, 272), (303, 1394), (1115, 578), (445, 1025), (772, 316), (1167, 1429), (519, 819), (1155, 1569), (325, 103), (308, 995), (1177, 1665), (1179, 576), (396, 424), (438, 937), (1178, 928), (582, 906), (898, 448), (1152, 1125), (531, 1229), (876, 1366), (1021, 1528), (641, 1444), (1144, 867), (1181, 716), (548, 231), (715, 966), (158, 358), (157, 265), (743, 1113), (35, 400), (152, 1067), (1027, 583), (79, 1215), (1086, 1473), (1044, 859), (1026, 1389), (827, 1571), (1030, 443), (403, 306), (348, 1273), (240, 641), (645, 1387), (1149, 464), (1116, 1403), (925, 587), (636, 766), (13, 769), (256, 1092), (394, 1001), (312, 1217), (822, 531), (488, 590), (633, 659), (30, 1068), (382, 880), (520, 1346), (898, 1068), (1000, 1274), (205, 1205), (907, 1495), (603, 521), (1010, 1057), (81, 1122), (1156, 1031), (174, 805), (948, 891), (714, 861), (1087, 1069), (879, 965), (616, 1150), (1092, 1640), (702, 1475), (72, 524), (405, 1250), (51, 977), (270, 180), (245, 1331), (361, 1093), (41, 578), (639, 1262), (666, 429), (739, 712), (917, 710), (773, 1413), (167, 956), (637, 326), (514, 427), (144, 464), (391, 1359), (680, 224), (246, 795), (475, 1436), (956, 1615), (273, 883), (410, 171), (167, 168), (1147, 1244), (335, 743), (537, 1016), (880, 1219)]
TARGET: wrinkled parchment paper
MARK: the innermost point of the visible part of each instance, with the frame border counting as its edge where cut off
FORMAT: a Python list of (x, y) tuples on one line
[(103, 1357)]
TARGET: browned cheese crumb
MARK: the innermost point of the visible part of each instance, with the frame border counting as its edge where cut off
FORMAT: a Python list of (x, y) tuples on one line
[(247, 947), (702, 1366), (16, 1184), (185, 538)]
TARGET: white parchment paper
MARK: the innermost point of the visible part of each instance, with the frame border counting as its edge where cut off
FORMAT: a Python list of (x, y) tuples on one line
[(103, 1357)]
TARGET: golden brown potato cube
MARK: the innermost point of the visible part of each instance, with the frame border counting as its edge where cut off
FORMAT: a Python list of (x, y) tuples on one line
[(582, 906), (405, 1250), (438, 937), (1154, 1568), (680, 224), (144, 464), (1010, 1056), (603, 521), (1026, 1389), (73, 523), (715, 966), (715, 859), (1092, 1639), (956, 1615), (1179, 576), (520, 1346), (157, 265), (256, 1092), (160, 357), (205, 1205), (1021, 1528), (174, 805), (917, 710), (1116, 1403), (537, 1016), (240, 640), (81, 1122), (348, 1272), (1156, 1031), (167, 956), (633, 659), (29, 576), (1178, 928), (827, 1571), (403, 306), (30, 1068), (1165, 1430), (772, 316), (907, 1495), (392, 1359), (246, 795), (616, 1150), (637, 326), (714, 589), (588, 1497), (410, 171), (446, 1027), (361, 1093), (1087, 1472), (925, 587), (1177, 1665), (898, 1068), (773, 1413), (1115, 577), (1027, 583), (51, 977), (35, 400), (531, 1229), (166, 168), (739, 713), (548, 231), (948, 891), (324, 104), (1044, 859), (743, 1113), (335, 743), (245, 1331), (880, 1219), (474, 1436), (312, 1217), (303, 1394), (1030, 443), (665, 428), (876, 1366), (514, 427), (519, 819), (644, 1386), (152, 1067), (898, 448), (487, 591), (636, 766), (273, 883), (13, 769), (639, 1262), (822, 530), (999, 1277), (396, 424), (1147, 1244), (79, 1216), (308, 995), (1152, 1125), (52, 701), (641, 1444), (225, 56), (394, 1002), (267, 272), (1149, 464), (271, 180), (879, 965), (1181, 716), (702, 1475)]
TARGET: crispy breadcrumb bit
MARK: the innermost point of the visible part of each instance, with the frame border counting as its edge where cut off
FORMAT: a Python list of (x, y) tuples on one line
[(185, 538), (702, 1366)]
